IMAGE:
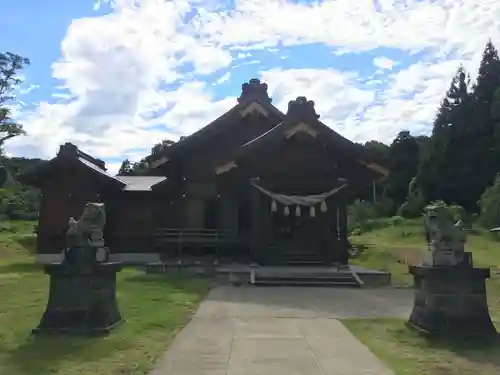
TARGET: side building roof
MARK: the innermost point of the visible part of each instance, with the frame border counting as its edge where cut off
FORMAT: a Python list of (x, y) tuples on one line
[(68, 153)]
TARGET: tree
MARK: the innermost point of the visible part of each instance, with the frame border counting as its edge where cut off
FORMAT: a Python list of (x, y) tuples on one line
[(490, 206), (404, 156), (141, 168), (444, 166), (126, 168), (378, 151), (10, 65), (159, 147), (487, 147)]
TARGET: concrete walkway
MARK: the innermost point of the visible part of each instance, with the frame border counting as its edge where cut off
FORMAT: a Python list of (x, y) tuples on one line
[(281, 331)]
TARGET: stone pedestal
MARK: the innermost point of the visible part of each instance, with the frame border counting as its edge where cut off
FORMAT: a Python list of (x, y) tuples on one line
[(81, 301), (451, 301)]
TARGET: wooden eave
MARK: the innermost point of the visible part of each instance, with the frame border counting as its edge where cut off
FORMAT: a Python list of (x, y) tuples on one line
[(36, 175), (314, 128), (216, 126)]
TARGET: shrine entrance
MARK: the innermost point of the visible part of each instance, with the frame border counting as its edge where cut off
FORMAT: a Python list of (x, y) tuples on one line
[(298, 229), (299, 239)]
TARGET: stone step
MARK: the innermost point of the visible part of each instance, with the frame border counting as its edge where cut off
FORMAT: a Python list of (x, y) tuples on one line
[(302, 258), (304, 262), (307, 280), (317, 283)]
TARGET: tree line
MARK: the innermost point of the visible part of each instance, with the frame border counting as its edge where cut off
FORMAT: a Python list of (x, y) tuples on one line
[(458, 163), (460, 160)]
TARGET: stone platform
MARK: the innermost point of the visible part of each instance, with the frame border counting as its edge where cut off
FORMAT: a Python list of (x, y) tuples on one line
[(451, 301), (241, 274), (81, 302)]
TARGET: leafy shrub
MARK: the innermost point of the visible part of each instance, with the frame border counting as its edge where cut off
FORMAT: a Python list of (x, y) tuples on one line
[(459, 213), (396, 221), (413, 206), (359, 213), (385, 207), (489, 205)]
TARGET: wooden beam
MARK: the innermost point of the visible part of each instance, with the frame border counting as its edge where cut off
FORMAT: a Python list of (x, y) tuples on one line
[(375, 167), (225, 167), (159, 162), (252, 108), (302, 127)]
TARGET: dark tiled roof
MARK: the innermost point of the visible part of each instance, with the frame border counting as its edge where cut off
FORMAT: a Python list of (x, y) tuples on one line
[(252, 92), (35, 175), (140, 183), (302, 110)]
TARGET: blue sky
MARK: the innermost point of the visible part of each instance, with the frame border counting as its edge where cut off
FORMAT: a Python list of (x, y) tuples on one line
[(116, 77)]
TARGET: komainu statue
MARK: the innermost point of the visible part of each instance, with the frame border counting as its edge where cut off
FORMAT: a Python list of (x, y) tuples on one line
[(85, 236), (86, 275), (449, 292), (445, 238)]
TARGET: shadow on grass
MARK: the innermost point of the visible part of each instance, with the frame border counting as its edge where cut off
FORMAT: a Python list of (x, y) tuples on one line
[(181, 282), (479, 350), (20, 268), (28, 242), (44, 354)]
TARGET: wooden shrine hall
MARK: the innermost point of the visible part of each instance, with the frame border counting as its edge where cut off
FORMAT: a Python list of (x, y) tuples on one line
[(254, 186)]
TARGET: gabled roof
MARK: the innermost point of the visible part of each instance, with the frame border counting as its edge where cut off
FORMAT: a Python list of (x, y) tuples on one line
[(68, 153), (254, 97), (302, 117)]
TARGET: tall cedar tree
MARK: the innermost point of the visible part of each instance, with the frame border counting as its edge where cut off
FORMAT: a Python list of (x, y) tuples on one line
[(462, 158), (444, 166), (485, 162)]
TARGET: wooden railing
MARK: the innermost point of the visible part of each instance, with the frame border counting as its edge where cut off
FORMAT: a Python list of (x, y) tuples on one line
[(193, 236), (182, 243)]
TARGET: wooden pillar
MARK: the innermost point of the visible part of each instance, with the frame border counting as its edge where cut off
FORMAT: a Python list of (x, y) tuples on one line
[(256, 246), (329, 234), (343, 240)]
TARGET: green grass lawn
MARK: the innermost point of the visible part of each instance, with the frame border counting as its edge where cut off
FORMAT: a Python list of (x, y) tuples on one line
[(154, 309), (394, 247), (408, 353)]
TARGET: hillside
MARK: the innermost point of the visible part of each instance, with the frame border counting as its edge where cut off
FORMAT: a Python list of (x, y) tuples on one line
[(394, 244), (18, 202)]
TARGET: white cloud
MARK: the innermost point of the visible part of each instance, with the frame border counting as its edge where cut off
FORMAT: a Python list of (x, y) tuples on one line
[(383, 62), (223, 79), (242, 55), (335, 94), (145, 65)]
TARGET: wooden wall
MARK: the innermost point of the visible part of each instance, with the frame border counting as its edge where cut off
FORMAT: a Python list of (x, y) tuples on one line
[(130, 225), (61, 198)]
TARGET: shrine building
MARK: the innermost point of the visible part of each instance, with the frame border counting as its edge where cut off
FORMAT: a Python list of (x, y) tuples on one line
[(256, 185)]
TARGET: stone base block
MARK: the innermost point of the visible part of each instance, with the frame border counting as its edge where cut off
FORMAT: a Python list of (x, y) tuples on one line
[(82, 302), (451, 301)]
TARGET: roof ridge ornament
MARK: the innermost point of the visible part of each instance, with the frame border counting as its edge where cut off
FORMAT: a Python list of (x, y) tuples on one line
[(301, 108), (254, 90), (68, 149)]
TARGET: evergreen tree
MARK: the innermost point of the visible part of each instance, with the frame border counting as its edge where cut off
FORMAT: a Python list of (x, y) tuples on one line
[(126, 168), (404, 154), (444, 162), (485, 148)]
